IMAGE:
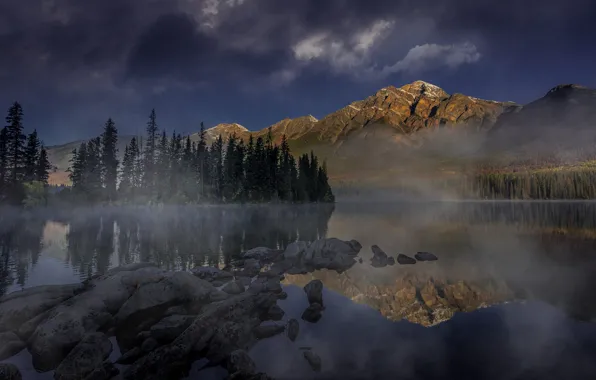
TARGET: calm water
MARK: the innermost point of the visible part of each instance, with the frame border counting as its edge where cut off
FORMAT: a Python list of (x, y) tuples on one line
[(489, 253)]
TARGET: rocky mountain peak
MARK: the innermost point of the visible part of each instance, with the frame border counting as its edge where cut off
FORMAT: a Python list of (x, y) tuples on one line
[(419, 88)]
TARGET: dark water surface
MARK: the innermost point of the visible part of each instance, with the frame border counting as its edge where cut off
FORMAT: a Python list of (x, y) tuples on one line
[(489, 253)]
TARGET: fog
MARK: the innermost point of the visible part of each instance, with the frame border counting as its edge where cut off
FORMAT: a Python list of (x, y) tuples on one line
[(489, 253)]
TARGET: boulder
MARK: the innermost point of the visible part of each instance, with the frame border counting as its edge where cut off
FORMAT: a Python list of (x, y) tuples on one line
[(314, 292), (239, 363), (379, 258), (390, 261), (405, 260), (275, 313), (67, 323), (9, 372), (313, 360), (130, 356), (293, 329), (262, 254), (332, 253), (106, 371), (149, 345), (88, 355), (233, 287), (425, 256), (166, 330), (295, 250), (18, 307), (312, 313), (211, 274), (10, 344), (267, 331)]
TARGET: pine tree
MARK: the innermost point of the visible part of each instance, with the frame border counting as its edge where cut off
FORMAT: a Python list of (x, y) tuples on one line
[(77, 168), (285, 171), (239, 173), (229, 169), (128, 180), (3, 160), (42, 171), (250, 172), (260, 162), (93, 169), (109, 160), (150, 154), (217, 177), (201, 166), (163, 166), (30, 157), (15, 143)]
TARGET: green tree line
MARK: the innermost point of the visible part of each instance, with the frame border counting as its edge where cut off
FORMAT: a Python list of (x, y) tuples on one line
[(176, 169), (24, 164)]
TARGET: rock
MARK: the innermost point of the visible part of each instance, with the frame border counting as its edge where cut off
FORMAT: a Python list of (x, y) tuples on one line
[(211, 274), (390, 261), (245, 281), (166, 330), (233, 287), (130, 268), (9, 372), (356, 246), (27, 328), (296, 270), (10, 344), (155, 298), (221, 328), (333, 254), (282, 296), (379, 258), (295, 250), (217, 283), (275, 313), (239, 363), (312, 313), (425, 256), (248, 268), (69, 322), (88, 355), (106, 371), (149, 345), (405, 260), (267, 331), (313, 360), (215, 296), (26, 305), (265, 285), (261, 254), (360, 260), (293, 329), (314, 292), (130, 356)]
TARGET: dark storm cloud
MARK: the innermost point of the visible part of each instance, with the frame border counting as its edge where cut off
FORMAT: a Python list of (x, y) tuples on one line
[(94, 53)]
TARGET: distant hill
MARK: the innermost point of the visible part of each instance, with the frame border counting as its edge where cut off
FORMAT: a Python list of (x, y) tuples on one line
[(417, 126)]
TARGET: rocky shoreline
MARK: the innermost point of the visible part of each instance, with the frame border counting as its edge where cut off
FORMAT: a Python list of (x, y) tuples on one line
[(163, 321)]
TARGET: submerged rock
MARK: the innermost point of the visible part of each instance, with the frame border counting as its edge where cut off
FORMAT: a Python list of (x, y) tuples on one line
[(313, 313), (88, 355), (9, 372), (239, 363), (425, 256), (267, 331), (313, 360), (293, 329), (314, 292), (405, 260)]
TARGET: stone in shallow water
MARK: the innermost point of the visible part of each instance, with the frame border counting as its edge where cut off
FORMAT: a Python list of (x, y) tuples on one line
[(313, 360), (314, 292), (240, 363), (405, 260), (390, 261), (313, 313), (293, 329), (9, 372), (276, 313), (425, 256), (267, 331)]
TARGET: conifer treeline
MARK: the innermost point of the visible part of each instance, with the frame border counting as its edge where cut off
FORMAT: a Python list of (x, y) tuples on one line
[(23, 159), (177, 169)]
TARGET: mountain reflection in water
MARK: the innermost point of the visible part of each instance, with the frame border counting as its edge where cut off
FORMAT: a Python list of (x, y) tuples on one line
[(489, 252)]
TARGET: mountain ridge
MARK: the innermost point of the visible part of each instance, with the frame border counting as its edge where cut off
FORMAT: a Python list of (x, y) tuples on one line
[(395, 114)]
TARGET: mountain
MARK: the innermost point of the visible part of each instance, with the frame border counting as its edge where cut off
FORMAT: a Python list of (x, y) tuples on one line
[(417, 123)]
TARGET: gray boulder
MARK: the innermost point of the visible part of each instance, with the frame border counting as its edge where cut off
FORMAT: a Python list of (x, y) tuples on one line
[(379, 258), (88, 355), (313, 313), (405, 260), (295, 250), (262, 254), (293, 329), (166, 330), (313, 360), (239, 363), (9, 372), (10, 344), (267, 331), (314, 292), (425, 256), (233, 287), (211, 274)]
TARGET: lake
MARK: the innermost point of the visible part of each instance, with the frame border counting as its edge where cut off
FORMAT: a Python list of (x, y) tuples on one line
[(536, 260)]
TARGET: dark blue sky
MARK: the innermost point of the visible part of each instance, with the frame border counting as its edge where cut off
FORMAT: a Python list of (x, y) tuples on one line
[(72, 64)]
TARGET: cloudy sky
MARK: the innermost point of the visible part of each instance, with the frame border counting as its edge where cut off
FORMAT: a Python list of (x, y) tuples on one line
[(73, 63)]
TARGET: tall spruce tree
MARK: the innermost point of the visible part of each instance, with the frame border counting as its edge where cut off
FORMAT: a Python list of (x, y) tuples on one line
[(15, 143), (93, 170), (217, 177), (30, 157), (163, 166), (128, 176), (77, 168), (3, 160), (150, 154), (109, 159), (229, 185), (201, 164), (42, 170)]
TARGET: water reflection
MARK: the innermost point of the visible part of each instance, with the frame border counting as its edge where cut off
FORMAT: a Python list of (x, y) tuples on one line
[(490, 252)]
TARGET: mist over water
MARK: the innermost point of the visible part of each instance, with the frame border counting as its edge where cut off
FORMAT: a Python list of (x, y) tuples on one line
[(490, 253)]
